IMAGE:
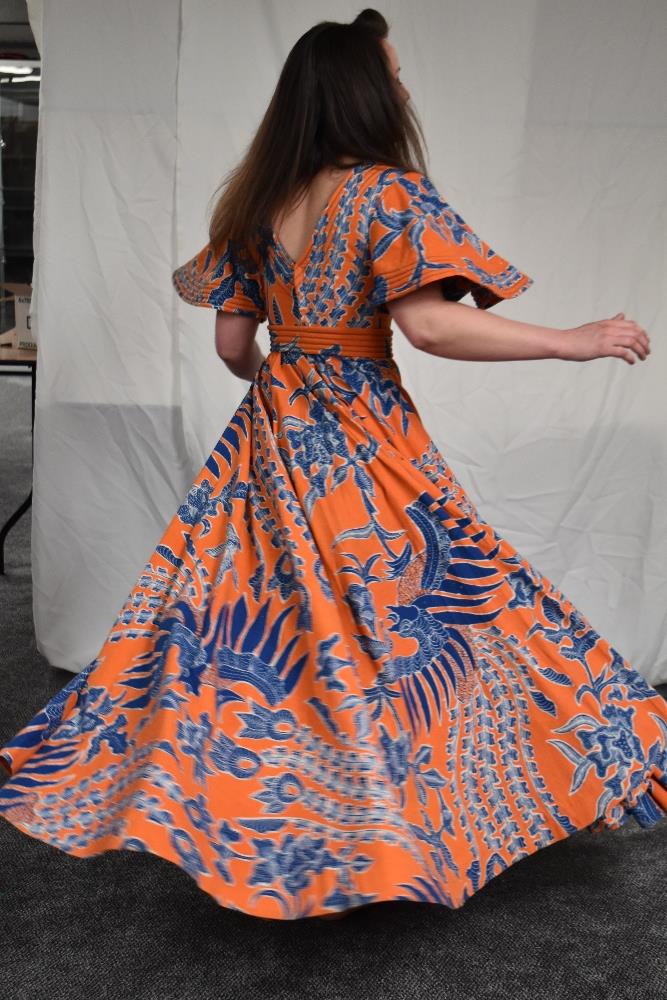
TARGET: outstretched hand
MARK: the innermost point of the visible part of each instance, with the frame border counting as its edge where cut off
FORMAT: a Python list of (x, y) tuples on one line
[(617, 337)]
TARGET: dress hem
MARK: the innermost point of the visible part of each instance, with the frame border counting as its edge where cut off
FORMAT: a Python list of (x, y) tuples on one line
[(643, 806)]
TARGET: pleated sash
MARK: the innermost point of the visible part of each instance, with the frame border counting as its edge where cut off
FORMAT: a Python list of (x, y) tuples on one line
[(354, 342)]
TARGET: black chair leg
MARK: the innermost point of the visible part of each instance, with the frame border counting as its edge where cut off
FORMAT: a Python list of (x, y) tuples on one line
[(19, 512)]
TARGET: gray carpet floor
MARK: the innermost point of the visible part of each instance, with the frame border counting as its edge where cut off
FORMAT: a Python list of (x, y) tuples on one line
[(583, 918)]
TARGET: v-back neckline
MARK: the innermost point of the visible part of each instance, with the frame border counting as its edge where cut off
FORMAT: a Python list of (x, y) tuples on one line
[(331, 201)]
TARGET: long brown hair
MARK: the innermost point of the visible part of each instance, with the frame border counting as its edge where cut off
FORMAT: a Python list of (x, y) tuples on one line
[(336, 97)]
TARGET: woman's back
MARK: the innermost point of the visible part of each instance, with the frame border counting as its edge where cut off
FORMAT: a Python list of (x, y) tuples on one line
[(382, 233), (297, 220)]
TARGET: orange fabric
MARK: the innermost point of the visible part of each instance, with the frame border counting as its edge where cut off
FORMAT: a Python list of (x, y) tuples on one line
[(372, 342), (229, 281), (415, 238), (334, 682)]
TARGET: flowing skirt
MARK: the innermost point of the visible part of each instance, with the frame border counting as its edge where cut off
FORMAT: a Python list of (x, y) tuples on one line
[(334, 683)]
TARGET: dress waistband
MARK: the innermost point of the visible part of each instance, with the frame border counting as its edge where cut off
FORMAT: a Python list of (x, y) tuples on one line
[(354, 342)]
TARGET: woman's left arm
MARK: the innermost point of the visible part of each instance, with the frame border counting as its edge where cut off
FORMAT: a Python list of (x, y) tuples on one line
[(235, 343)]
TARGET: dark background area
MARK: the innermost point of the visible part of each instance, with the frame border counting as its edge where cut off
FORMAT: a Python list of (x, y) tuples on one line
[(19, 105)]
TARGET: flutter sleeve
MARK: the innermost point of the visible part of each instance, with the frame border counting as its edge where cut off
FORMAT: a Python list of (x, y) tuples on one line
[(230, 281), (416, 237)]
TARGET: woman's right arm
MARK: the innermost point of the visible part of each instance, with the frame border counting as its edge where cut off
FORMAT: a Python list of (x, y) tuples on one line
[(454, 330)]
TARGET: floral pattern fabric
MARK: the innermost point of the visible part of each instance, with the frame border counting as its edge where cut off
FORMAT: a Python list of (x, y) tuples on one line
[(334, 682)]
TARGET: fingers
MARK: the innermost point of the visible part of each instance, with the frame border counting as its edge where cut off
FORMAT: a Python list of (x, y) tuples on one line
[(630, 334), (624, 344), (623, 352)]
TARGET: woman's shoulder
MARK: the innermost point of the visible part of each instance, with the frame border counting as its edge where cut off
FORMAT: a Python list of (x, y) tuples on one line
[(388, 180), (389, 172), (397, 189)]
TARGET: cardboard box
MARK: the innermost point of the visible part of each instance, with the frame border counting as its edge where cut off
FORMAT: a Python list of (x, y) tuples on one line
[(23, 336)]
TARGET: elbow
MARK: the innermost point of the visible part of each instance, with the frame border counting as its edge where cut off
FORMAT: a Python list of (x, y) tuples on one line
[(418, 333), (421, 340), (423, 335), (423, 316), (231, 351), (437, 326)]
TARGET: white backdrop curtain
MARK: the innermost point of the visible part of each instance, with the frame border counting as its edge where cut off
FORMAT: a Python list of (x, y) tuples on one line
[(546, 127)]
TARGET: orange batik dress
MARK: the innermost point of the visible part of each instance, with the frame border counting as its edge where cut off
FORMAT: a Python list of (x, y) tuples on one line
[(334, 682)]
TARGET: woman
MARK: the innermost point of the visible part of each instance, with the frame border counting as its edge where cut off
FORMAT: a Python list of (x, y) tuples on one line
[(334, 683)]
